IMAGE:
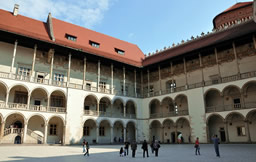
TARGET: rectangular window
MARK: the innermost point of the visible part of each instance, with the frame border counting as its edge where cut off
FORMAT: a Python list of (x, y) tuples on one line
[(171, 84), (102, 86), (94, 44), (20, 97), (86, 131), (71, 37), (102, 131), (121, 52), (58, 77), (88, 86), (53, 129), (241, 131), (24, 71), (237, 103), (57, 101)]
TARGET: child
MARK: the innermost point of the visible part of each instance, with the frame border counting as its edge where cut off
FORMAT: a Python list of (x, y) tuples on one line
[(121, 152), (197, 146)]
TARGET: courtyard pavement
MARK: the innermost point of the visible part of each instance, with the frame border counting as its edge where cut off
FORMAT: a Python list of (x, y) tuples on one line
[(110, 153)]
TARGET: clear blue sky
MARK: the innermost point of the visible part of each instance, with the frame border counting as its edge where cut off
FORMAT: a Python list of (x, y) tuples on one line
[(151, 24)]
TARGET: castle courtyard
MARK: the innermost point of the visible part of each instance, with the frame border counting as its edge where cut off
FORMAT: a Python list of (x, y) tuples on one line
[(110, 153)]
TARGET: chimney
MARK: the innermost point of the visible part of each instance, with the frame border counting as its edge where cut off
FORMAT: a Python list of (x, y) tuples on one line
[(15, 10)]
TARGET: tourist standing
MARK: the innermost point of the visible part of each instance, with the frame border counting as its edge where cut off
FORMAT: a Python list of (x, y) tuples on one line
[(216, 143), (87, 149), (145, 148), (134, 148), (197, 146), (180, 138), (156, 147), (83, 144), (126, 147)]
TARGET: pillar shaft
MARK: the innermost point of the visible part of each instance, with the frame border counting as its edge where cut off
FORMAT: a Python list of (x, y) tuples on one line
[(45, 133), (14, 56)]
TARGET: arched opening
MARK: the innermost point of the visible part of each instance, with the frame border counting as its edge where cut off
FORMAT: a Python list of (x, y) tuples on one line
[(118, 108), (105, 107), (181, 105), (38, 100), (213, 101), (118, 132), (36, 130), (90, 105), (169, 131), (249, 95), (236, 128), (130, 132), (155, 109), (232, 98), (155, 131), (55, 131), (18, 97), (251, 119), (168, 107), (104, 132), (183, 127), (57, 102), (89, 131), (14, 128), (130, 110), (216, 126), (3, 92)]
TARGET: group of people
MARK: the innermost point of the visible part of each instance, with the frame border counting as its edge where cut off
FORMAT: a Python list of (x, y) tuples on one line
[(216, 143), (85, 146), (155, 145)]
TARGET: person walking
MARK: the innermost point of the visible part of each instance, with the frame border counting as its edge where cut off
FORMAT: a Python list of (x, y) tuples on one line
[(87, 149), (197, 146), (156, 147), (145, 148), (134, 148), (216, 143), (126, 147), (83, 144), (180, 138)]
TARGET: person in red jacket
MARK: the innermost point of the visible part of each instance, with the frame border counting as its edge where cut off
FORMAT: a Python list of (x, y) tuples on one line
[(197, 146)]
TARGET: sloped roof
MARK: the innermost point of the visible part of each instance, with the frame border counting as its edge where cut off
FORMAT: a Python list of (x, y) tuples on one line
[(29, 27), (237, 5)]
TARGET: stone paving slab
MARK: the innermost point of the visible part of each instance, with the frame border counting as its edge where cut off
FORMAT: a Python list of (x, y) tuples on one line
[(110, 153)]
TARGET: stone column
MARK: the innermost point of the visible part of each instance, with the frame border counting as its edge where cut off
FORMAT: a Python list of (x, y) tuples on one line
[(112, 78), (51, 68), (2, 130), (111, 134), (33, 64), (141, 83), (98, 107), (124, 90), (135, 84), (226, 131), (64, 135), (185, 71), (98, 81), (217, 62), (124, 134), (13, 56), (25, 131), (28, 101), (172, 88), (124, 111), (69, 67), (45, 133), (148, 83), (237, 65), (201, 66), (248, 130), (7, 98), (111, 109), (159, 75), (162, 134), (136, 134), (97, 134), (48, 103), (84, 74)]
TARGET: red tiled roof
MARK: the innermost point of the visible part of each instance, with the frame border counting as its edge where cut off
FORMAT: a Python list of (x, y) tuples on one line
[(133, 55), (38, 30), (237, 5), (23, 25)]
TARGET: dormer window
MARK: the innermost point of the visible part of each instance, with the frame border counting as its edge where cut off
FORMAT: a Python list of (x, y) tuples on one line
[(71, 37), (121, 52), (94, 44)]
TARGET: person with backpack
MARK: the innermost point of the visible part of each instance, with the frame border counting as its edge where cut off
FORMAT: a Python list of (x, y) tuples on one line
[(156, 147), (145, 148)]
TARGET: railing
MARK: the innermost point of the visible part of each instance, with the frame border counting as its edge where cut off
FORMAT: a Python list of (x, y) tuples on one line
[(17, 106), (40, 80), (105, 114), (8, 131), (2, 104), (91, 112), (37, 108), (57, 109), (76, 86), (59, 83), (130, 116), (169, 114), (35, 135), (230, 107)]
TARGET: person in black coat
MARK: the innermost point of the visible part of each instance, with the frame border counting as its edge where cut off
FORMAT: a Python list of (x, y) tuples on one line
[(156, 146), (134, 148), (145, 148), (126, 147)]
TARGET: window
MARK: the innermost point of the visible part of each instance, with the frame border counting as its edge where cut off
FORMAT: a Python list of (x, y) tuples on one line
[(24, 71), (71, 37), (53, 129), (57, 101), (102, 86), (102, 131), (88, 86), (121, 52), (94, 44), (86, 131), (86, 107), (171, 84), (20, 97), (241, 131), (58, 77), (237, 103), (126, 89)]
